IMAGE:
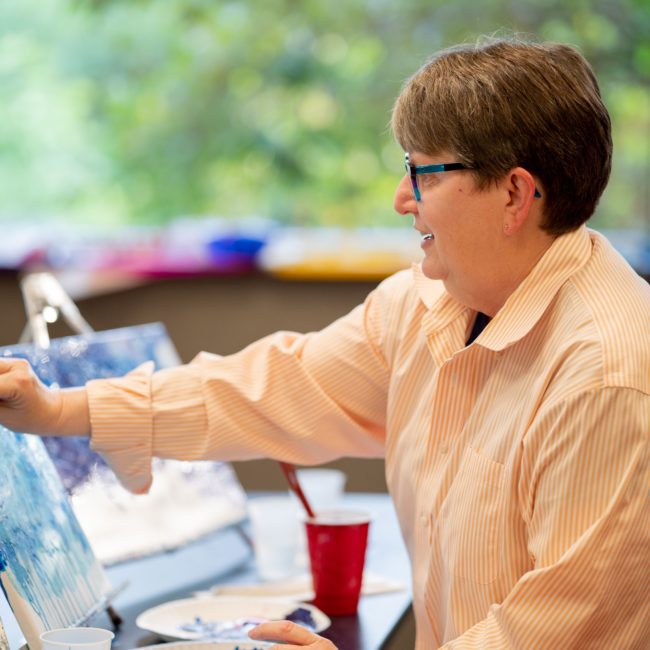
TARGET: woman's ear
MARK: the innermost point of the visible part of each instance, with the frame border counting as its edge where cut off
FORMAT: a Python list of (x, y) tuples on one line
[(520, 185)]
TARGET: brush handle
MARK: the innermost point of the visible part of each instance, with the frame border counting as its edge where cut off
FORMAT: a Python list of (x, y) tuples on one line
[(290, 473)]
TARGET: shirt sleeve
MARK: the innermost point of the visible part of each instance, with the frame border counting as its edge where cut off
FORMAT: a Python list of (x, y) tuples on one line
[(584, 495), (301, 398)]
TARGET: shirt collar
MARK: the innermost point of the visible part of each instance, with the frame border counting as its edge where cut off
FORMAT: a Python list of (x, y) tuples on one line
[(442, 309), (525, 306)]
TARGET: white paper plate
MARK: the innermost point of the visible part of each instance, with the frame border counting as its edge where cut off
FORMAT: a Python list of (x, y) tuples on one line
[(202, 645), (165, 620)]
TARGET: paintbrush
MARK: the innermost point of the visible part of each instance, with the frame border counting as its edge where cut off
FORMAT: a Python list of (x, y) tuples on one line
[(290, 473)]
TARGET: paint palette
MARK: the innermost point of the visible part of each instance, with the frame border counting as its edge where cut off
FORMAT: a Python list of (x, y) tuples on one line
[(217, 645), (178, 619)]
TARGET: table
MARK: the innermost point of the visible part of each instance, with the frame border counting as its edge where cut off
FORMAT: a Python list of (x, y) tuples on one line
[(225, 558)]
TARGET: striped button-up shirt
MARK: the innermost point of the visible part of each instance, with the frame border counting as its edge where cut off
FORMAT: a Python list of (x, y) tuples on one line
[(518, 464)]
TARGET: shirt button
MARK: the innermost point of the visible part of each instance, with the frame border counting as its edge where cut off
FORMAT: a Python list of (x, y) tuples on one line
[(443, 448), (424, 521)]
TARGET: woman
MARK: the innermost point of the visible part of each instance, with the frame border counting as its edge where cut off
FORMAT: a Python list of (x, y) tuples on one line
[(506, 380)]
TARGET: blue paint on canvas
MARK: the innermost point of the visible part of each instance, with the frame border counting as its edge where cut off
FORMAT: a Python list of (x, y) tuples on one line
[(74, 360), (48, 571), (47, 568)]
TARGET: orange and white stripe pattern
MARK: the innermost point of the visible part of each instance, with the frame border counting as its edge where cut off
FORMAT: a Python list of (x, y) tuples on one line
[(518, 464)]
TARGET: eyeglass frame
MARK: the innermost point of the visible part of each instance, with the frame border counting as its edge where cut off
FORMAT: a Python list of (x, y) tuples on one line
[(414, 170)]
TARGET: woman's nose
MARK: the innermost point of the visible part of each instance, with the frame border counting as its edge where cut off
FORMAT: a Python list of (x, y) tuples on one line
[(404, 201)]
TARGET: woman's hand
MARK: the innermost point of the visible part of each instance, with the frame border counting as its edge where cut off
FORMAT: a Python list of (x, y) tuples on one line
[(286, 632), (28, 406)]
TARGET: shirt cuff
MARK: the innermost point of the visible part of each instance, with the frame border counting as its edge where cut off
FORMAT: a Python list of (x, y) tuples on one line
[(122, 425)]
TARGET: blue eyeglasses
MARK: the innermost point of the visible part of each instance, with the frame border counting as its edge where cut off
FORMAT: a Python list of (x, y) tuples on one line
[(414, 170)]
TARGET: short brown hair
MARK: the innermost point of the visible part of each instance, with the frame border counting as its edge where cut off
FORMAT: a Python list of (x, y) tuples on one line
[(510, 103)]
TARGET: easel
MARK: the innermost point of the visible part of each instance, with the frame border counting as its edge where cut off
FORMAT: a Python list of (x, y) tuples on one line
[(45, 300), (4, 642)]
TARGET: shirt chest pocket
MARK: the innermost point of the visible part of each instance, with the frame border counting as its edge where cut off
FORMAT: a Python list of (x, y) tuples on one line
[(470, 520)]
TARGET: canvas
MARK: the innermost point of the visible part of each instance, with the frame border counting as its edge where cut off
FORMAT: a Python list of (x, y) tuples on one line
[(187, 500), (50, 550), (48, 570), (73, 360)]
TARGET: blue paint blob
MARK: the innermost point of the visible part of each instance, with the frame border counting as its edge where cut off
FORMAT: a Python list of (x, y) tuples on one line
[(238, 628)]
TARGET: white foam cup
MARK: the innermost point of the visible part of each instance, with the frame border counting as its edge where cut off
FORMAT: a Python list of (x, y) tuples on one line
[(323, 486), (276, 525), (77, 638)]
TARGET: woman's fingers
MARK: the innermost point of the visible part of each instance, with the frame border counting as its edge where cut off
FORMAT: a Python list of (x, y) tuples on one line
[(26, 405), (290, 633), (15, 375)]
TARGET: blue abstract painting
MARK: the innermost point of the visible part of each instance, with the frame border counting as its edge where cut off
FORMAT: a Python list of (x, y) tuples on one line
[(48, 571), (74, 360), (187, 501)]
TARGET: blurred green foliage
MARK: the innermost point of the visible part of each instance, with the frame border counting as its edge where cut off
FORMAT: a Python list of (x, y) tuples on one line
[(138, 111)]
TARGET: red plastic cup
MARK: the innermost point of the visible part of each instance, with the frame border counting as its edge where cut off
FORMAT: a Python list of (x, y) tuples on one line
[(337, 541)]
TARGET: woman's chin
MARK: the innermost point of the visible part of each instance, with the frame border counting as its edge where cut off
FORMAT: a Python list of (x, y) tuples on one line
[(432, 269)]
